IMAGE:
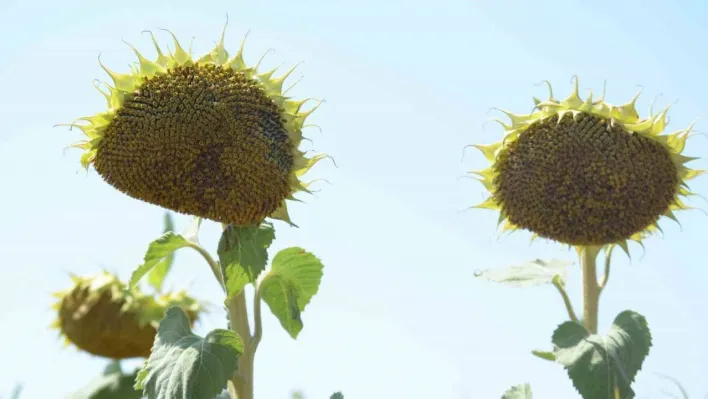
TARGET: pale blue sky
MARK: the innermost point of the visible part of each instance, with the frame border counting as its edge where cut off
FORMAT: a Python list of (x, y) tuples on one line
[(408, 84)]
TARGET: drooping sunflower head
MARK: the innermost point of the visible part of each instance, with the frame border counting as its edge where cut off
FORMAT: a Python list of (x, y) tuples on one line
[(102, 316), (210, 136), (586, 173)]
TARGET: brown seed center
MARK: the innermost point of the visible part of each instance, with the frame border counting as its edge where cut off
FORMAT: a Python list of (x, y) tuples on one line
[(583, 181), (202, 140), (100, 327)]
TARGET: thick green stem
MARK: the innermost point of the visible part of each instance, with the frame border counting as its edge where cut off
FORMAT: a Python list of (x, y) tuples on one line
[(238, 317), (241, 385), (591, 289)]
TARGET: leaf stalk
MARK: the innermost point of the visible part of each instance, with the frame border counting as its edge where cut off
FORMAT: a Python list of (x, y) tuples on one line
[(566, 300)]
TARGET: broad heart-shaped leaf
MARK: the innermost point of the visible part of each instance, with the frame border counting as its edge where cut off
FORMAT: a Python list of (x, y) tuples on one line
[(243, 254), (157, 251), (292, 281), (337, 395), (535, 272), (599, 365), (112, 384), (518, 392), (157, 275), (183, 365)]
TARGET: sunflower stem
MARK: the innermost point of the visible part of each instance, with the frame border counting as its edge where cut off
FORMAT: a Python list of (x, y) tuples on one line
[(241, 384), (238, 316), (591, 289)]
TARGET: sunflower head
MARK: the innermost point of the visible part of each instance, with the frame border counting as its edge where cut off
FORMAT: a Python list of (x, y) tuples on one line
[(102, 316), (586, 173), (206, 136)]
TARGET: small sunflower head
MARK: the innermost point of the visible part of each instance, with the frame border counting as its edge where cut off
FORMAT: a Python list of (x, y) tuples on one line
[(210, 136), (586, 173), (102, 316)]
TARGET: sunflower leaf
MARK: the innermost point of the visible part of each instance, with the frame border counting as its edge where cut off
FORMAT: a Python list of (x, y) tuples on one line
[(522, 391), (545, 355), (183, 365), (599, 365), (535, 272), (112, 384), (292, 281), (243, 255), (337, 395), (157, 275), (157, 251)]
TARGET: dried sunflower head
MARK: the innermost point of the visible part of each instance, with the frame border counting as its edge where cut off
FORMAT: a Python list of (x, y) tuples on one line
[(101, 316), (209, 136), (586, 173)]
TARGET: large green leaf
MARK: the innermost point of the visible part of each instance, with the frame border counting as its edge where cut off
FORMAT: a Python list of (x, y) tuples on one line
[(337, 395), (522, 391), (292, 281), (157, 275), (243, 254), (183, 365), (535, 272), (600, 364), (112, 384), (158, 250)]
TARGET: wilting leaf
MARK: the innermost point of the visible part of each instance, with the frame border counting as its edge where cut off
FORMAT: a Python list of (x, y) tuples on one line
[(536, 272), (157, 275), (292, 281), (157, 251), (243, 255)]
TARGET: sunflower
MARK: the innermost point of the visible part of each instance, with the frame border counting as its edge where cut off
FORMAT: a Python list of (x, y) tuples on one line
[(101, 316), (206, 136), (586, 173)]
